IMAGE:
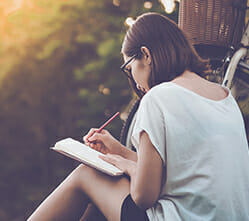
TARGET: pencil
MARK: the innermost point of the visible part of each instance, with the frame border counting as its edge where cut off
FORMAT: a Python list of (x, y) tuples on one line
[(107, 122)]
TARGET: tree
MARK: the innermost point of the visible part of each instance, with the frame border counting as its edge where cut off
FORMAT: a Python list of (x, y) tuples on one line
[(59, 77)]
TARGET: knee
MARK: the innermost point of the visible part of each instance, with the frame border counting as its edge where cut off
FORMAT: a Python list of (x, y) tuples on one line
[(80, 169), (83, 170), (81, 173)]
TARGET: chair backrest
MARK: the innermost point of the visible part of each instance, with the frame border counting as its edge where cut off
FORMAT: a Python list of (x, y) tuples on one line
[(213, 22)]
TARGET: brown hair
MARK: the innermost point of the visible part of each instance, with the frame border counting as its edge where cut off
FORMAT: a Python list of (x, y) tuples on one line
[(171, 52)]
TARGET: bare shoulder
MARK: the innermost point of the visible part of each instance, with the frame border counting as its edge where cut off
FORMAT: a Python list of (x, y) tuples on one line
[(216, 91), (201, 86)]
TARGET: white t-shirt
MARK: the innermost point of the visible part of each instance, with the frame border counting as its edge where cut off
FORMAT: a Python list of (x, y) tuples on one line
[(203, 145)]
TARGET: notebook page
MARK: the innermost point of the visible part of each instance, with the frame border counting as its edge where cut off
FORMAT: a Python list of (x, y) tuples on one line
[(85, 153)]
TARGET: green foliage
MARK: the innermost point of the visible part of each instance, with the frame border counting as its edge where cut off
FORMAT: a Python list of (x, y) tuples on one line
[(49, 49), (59, 77), (107, 47)]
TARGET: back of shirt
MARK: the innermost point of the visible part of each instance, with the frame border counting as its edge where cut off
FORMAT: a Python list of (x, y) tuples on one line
[(203, 145)]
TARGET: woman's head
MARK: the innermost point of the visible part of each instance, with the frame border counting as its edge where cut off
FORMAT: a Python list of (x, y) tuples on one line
[(161, 48)]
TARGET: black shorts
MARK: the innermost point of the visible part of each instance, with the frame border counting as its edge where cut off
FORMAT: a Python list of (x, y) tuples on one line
[(130, 211)]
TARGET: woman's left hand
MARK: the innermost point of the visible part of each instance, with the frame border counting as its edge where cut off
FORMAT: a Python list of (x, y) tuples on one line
[(127, 166)]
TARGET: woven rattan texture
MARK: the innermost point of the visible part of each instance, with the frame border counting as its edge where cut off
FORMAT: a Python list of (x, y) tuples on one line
[(214, 22)]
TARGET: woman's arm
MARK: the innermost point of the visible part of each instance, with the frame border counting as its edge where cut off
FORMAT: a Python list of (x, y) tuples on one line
[(147, 182), (145, 174)]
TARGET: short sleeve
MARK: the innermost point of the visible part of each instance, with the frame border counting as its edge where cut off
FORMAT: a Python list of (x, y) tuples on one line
[(149, 118)]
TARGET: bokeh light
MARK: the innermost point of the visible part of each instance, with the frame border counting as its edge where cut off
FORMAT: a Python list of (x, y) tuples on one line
[(116, 2), (148, 5), (129, 21)]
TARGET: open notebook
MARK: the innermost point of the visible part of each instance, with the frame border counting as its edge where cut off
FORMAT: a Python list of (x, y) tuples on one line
[(85, 154)]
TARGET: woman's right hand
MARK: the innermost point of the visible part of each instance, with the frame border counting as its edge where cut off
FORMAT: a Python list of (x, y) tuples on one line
[(103, 141)]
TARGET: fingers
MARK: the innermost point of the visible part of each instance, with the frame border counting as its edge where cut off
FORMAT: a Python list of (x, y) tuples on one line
[(112, 159), (127, 166), (97, 146), (91, 135), (109, 159)]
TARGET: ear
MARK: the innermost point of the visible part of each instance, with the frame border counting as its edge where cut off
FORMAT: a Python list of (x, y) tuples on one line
[(146, 54)]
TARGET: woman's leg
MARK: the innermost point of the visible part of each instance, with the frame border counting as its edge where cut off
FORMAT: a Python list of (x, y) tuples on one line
[(66, 202), (106, 192), (92, 213), (70, 199)]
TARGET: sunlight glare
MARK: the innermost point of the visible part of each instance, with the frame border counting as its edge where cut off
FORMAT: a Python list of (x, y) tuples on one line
[(13, 6), (169, 5)]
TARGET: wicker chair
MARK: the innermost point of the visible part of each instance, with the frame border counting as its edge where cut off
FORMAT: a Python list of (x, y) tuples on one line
[(212, 26), (213, 22)]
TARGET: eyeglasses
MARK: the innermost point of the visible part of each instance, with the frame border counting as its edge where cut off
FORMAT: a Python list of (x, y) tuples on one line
[(127, 71)]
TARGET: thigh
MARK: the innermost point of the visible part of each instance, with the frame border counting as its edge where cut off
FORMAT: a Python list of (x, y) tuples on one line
[(92, 213), (106, 192)]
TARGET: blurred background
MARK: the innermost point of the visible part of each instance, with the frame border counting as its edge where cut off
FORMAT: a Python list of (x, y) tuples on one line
[(59, 77)]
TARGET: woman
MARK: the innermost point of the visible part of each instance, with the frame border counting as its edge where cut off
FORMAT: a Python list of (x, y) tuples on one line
[(192, 159)]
